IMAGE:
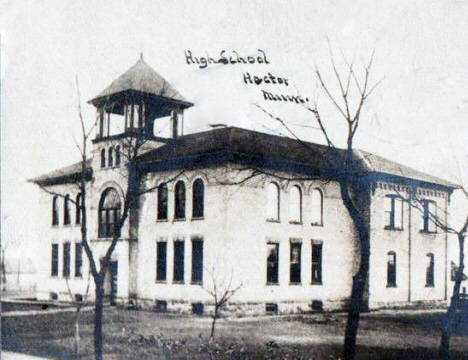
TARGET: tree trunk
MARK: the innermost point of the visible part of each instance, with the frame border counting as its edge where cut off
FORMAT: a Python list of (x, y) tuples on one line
[(354, 312), (355, 305), (444, 347), (98, 312), (213, 323)]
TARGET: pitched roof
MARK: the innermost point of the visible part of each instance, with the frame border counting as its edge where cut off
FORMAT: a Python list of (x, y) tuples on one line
[(376, 163), (268, 150), (141, 77), (235, 144), (63, 175)]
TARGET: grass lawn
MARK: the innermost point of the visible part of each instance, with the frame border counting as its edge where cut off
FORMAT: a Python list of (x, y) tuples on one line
[(145, 335)]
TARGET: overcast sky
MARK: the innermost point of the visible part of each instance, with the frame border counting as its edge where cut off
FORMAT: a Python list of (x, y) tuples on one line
[(416, 116)]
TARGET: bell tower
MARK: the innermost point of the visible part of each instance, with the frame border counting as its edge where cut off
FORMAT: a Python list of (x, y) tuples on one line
[(133, 102)]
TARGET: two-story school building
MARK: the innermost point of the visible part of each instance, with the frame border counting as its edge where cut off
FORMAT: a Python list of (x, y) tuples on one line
[(288, 241)]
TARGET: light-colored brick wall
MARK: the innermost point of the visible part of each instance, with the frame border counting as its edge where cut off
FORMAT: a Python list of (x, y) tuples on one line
[(411, 246)]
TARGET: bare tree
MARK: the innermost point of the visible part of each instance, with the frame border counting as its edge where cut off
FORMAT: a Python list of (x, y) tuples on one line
[(346, 168), (79, 303), (221, 290), (136, 142), (440, 220)]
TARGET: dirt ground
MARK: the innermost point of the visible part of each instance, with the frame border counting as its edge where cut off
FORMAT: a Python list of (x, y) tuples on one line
[(146, 335)]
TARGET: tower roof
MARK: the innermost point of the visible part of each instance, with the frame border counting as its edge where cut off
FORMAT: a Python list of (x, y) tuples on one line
[(141, 78)]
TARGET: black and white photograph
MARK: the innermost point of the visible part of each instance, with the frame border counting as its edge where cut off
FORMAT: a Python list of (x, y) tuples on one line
[(234, 179)]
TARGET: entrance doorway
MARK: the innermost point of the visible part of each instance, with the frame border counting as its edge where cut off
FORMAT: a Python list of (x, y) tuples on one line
[(110, 283)]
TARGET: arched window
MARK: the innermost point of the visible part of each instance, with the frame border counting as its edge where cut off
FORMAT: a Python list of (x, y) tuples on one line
[(117, 156), (295, 204), (198, 199), (109, 212), (66, 210), (162, 202), (103, 158), (110, 159), (317, 207), (391, 269), (273, 202), (430, 270), (78, 207), (179, 210), (55, 211)]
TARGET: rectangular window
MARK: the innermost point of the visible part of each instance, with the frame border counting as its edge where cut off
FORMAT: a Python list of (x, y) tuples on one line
[(66, 260), (317, 263), (295, 264), (393, 213), (272, 263), (197, 261), (78, 259), (55, 259), (161, 262), (179, 253), (429, 216)]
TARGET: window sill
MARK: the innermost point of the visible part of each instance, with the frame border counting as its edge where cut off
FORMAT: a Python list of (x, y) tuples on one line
[(294, 222), (197, 218), (161, 220), (56, 226), (295, 283), (393, 228), (178, 282), (429, 285), (315, 283), (317, 224), (180, 220), (79, 277), (427, 232), (161, 281), (391, 286), (272, 283), (196, 283), (67, 225), (273, 220)]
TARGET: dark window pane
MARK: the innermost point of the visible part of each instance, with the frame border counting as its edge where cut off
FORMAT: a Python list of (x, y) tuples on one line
[(66, 210), (78, 207), (295, 265), (180, 200), (197, 260), (273, 263), (66, 260), (430, 270), (117, 156), (55, 258), (161, 264), (179, 261), (391, 269), (55, 211), (78, 259), (198, 199), (162, 202), (316, 263), (103, 158), (110, 159), (109, 213)]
